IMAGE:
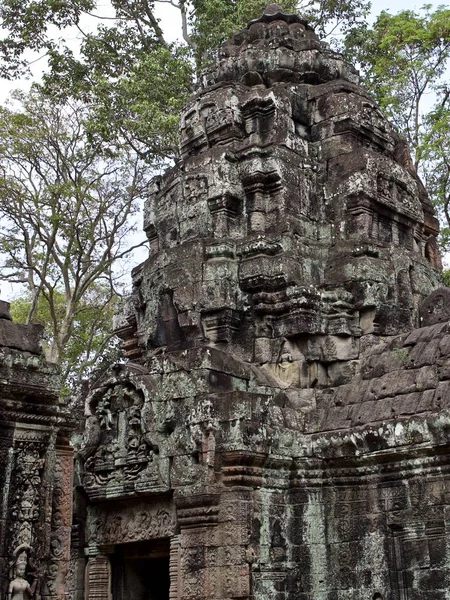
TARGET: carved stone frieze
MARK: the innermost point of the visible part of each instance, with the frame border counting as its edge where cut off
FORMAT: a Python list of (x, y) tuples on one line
[(130, 522)]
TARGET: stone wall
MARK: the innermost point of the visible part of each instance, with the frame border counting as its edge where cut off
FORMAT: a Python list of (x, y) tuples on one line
[(36, 466), (281, 429)]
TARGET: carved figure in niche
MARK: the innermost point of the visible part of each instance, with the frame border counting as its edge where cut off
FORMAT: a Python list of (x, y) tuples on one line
[(286, 371), (19, 588), (104, 413), (134, 433), (92, 435), (209, 448), (119, 450), (384, 187)]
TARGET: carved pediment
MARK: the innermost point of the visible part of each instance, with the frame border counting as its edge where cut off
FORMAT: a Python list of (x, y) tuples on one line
[(120, 453)]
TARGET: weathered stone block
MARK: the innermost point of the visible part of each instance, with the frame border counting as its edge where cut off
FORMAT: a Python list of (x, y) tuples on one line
[(425, 353), (441, 398), (26, 338)]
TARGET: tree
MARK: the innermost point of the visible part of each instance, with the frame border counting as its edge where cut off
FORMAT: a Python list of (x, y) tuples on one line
[(403, 60), (133, 78), (446, 275), (91, 344), (68, 207), (436, 164)]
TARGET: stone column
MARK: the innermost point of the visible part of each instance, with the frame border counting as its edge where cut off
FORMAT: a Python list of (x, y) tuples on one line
[(174, 568), (98, 576), (61, 523)]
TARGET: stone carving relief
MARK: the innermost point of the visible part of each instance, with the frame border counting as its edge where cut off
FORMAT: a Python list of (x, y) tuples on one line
[(19, 587), (28, 488), (58, 566), (119, 452), (435, 308), (130, 524)]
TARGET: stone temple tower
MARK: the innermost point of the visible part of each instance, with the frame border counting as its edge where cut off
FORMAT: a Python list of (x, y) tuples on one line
[(281, 429), (294, 223)]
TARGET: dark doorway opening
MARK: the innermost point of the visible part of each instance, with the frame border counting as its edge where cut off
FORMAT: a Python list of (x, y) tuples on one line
[(140, 571)]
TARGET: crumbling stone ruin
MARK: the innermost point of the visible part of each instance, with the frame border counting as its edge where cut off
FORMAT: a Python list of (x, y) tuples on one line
[(281, 429), (36, 473)]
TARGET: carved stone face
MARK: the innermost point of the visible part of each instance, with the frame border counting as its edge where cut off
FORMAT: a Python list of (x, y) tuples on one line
[(20, 569)]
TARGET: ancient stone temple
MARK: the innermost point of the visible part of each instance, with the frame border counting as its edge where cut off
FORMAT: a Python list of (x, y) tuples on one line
[(35, 468), (281, 430)]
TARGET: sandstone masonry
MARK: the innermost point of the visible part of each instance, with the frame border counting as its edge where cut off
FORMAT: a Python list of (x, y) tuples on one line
[(281, 429)]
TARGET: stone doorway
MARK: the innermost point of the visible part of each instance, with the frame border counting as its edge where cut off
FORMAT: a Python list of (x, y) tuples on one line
[(140, 571)]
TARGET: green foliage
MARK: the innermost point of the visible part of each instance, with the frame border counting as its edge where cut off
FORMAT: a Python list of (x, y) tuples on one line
[(67, 207), (135, 94), (446, 275), (436, 164), (404, 59), (136, 82), (91, 344), (400, 355), (143, 107), (333, 19), (213, 21), (27, 23)]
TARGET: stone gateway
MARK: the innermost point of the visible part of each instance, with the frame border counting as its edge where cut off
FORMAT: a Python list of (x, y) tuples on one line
[(281, 429)]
